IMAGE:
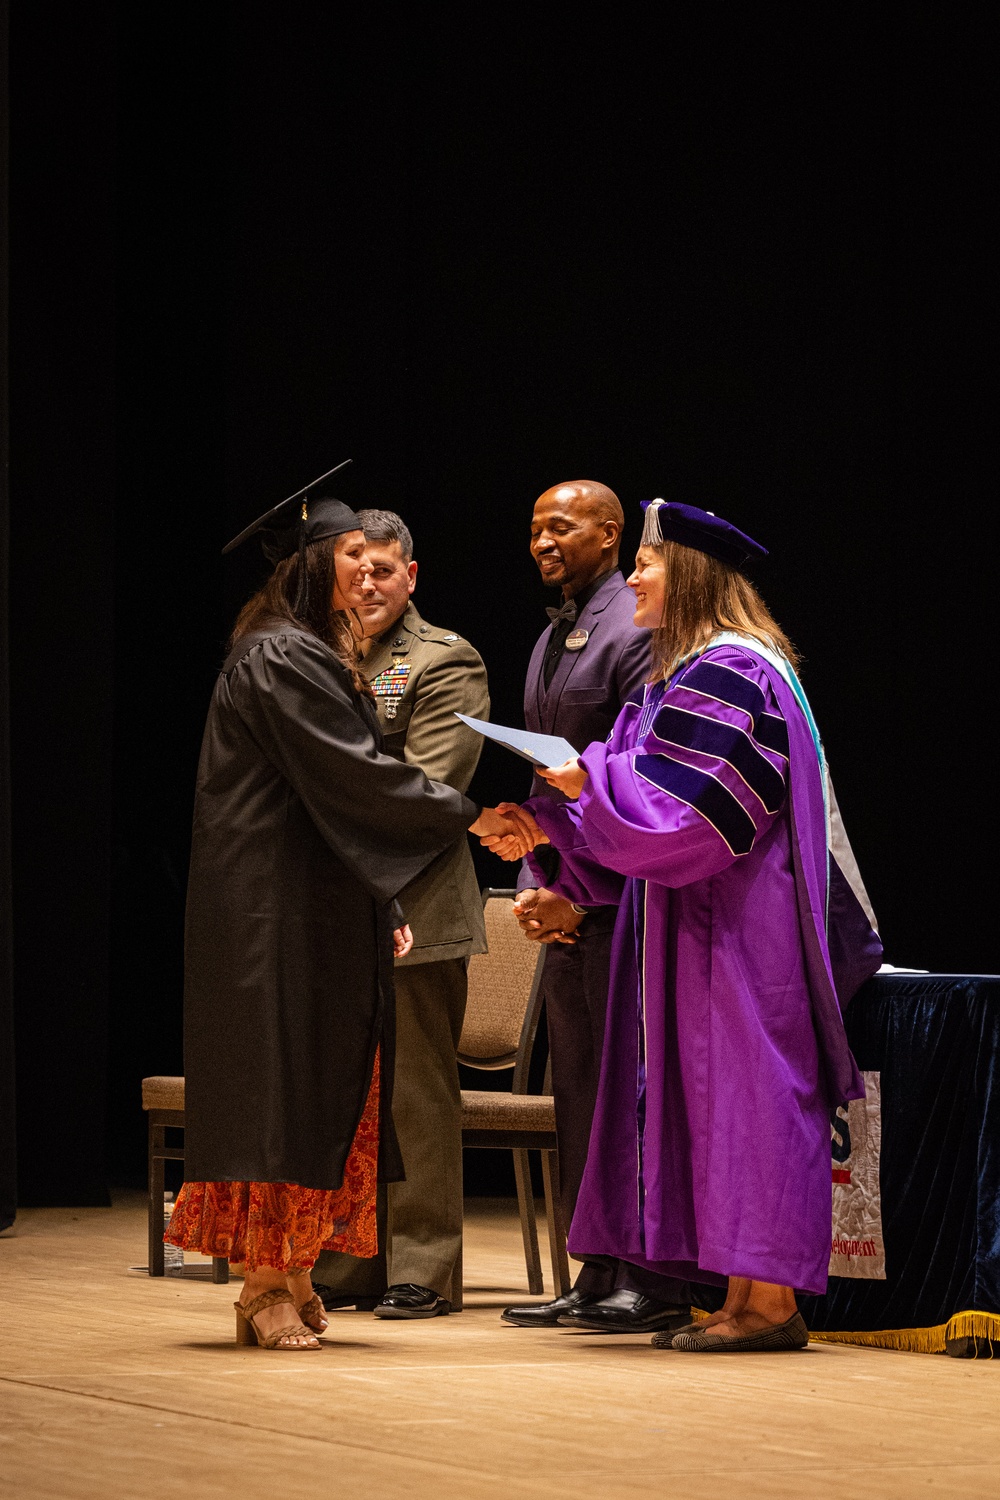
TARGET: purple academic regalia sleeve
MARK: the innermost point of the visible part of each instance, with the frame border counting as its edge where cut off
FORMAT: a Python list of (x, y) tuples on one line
[(707, 780), (582, 877)]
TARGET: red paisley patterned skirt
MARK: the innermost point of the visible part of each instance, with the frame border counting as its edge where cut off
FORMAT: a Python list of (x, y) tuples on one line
[(279, 1224)]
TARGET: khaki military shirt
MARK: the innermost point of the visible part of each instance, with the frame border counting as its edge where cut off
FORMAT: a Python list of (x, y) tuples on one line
[(422, 677)]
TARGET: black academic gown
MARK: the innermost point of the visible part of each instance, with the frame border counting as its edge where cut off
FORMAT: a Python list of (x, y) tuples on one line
[(304, 832)]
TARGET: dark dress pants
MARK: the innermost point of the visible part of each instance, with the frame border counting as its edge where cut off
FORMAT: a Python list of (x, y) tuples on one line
[(575, 983), (419, 1220)]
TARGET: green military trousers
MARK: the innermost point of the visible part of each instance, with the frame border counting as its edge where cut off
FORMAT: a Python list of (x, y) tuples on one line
[(419, 1220)]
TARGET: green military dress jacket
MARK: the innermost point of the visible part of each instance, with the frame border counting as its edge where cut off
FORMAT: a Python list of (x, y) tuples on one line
[(422, 677)]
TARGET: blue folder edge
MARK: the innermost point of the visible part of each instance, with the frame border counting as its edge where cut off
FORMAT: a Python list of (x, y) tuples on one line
[(539, 749)]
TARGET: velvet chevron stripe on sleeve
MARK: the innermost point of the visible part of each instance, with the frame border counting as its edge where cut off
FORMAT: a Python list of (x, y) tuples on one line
[(709, 797), (724, 742)]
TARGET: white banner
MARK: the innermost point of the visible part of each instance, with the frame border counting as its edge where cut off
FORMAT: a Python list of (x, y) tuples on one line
[(856, 1138)]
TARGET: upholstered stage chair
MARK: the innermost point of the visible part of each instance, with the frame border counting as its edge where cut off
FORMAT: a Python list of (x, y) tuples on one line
[(501, 1022)]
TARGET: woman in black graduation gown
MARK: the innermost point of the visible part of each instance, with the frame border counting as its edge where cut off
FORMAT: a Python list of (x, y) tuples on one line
[(304, 832)]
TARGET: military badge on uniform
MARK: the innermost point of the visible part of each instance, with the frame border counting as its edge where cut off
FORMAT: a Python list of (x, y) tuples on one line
[(390, 685)]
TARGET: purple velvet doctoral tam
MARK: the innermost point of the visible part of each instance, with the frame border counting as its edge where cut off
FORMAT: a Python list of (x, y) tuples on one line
[(736, 944)]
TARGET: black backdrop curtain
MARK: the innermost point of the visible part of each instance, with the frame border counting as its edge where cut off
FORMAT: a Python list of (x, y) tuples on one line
[(62, 486), (250, 241)]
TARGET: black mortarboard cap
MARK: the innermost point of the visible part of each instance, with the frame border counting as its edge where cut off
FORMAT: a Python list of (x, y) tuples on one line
[(668, 520), (303, 518)]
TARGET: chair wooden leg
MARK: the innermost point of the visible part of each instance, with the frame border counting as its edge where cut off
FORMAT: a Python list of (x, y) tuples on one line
[(220, 1270), (529, 1231), (557, 1229), (155, 1212), (457, 1293)]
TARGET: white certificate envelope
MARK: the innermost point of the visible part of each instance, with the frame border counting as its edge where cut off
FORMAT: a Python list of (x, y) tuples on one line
[(540, 749)]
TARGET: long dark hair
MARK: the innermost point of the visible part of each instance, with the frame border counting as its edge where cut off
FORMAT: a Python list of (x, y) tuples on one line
[(307, 603), (702, 597)]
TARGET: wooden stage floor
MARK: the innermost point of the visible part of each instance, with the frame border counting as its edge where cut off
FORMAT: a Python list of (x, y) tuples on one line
[(116, 1386)]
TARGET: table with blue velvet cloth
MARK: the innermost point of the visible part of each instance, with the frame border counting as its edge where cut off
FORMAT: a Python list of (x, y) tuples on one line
[(935, 1039)]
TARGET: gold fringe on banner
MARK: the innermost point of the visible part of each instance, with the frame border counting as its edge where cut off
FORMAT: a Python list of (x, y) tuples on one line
[(980, 1325)]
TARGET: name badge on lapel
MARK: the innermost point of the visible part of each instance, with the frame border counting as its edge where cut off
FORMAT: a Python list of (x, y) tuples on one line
[(577, 639)]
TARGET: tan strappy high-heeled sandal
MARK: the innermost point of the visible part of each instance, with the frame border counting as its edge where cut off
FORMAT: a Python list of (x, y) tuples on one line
[(247, 1333), (313, 1314)]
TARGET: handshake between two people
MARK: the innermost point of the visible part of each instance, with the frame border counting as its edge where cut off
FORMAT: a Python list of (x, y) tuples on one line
[(510, 830)]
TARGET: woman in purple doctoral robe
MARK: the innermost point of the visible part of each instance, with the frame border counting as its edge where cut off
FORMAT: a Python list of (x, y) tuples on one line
[(709, 818)]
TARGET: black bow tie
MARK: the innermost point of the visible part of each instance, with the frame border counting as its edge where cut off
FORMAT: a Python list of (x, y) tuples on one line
[(568, 612)]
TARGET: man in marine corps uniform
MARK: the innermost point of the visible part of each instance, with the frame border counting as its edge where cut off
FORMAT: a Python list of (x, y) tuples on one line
[(421, 677)]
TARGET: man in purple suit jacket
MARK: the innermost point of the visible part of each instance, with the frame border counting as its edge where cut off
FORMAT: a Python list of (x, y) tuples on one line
[(586, 665)]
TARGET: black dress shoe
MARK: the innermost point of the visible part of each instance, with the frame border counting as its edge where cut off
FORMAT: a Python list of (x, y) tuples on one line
[(332, 1299), (412, 1301), (547, 1314), (626, 1312)]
